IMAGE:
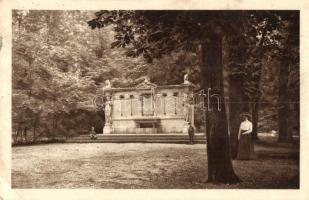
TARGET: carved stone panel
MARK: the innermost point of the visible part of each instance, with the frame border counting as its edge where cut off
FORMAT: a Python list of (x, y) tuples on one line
[(147, 102)]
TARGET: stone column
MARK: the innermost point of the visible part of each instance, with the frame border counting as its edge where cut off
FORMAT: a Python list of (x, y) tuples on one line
[(108, 128)]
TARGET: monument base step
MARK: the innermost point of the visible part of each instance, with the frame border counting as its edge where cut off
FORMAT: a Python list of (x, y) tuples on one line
[(138, 138)]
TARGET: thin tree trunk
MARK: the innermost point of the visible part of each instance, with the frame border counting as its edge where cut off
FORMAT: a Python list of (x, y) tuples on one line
[(255, 119), (292, 41), (25, 134), (17, 134), (283, 104), (256, 99), (34, 129), (220, 167), (56, 127), (53, 128)]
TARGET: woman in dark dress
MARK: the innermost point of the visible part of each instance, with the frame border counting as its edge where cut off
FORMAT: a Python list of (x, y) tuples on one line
[(245, 145)]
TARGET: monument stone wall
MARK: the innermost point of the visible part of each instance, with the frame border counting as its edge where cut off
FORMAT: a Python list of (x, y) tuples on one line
[(149, 108)]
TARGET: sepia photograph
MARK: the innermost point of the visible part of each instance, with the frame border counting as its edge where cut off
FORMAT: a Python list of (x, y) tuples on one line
[(155, 99)]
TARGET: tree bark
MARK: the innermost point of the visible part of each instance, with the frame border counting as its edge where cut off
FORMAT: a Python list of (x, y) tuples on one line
[(36, 120), (53, 127), (255, 119), (256, 100), (25, 134), (220, 169), (288, 57), (17, 134), (237, 105), (283, 104), (297, 110)]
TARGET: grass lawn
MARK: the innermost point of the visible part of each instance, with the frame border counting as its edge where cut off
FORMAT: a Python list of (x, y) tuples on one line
[(103, 165)]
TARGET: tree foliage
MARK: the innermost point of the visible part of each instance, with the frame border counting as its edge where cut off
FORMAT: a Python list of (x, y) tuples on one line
[(59, 66)]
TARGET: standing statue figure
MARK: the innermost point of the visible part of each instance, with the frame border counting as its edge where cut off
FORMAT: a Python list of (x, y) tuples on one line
[(108, 110), (188, 114), (108, 84), (186, 79), (187, 108), (147, 80)]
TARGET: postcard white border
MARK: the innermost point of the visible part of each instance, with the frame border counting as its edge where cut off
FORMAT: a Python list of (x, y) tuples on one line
[(81, 194)]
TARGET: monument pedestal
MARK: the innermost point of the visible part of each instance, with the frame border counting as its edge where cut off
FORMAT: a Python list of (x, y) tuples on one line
[(107, 129)]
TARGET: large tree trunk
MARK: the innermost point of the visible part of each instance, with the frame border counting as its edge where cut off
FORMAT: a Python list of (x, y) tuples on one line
[(283, 104), (297, 110), (220, 167), (237, 105)]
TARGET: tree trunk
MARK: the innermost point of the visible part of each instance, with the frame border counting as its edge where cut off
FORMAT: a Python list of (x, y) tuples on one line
[(255, 119), (36, 120), (256, 100), (34, 133), (25, 135), (288, 58), (20, 134), (297, 110), (17, 134), (220, 167), (237, 105), (283, 104), (53, 128)]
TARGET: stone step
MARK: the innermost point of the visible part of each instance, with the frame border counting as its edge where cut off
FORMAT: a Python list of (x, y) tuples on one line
[(142, 135), (136, 141), (138, 136), (142, 138)]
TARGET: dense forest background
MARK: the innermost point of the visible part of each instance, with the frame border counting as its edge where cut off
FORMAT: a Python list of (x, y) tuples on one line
[(60, 65)]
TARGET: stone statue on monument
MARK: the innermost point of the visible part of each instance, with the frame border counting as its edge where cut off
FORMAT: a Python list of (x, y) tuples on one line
[(108, 110), (108, 115), (187, 108), (147, 80), (188, 112), (186, 79), (108, 84)]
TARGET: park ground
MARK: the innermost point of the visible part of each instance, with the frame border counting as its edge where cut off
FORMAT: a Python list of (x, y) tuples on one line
[(157, 166)]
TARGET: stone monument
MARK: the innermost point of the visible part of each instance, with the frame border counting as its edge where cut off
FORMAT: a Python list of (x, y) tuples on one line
[(148, 108)]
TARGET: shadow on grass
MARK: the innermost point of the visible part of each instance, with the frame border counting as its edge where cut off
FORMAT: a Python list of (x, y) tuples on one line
[(265, 155)]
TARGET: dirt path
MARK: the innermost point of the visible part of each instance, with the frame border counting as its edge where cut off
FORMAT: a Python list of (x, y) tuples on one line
[(143, 166)]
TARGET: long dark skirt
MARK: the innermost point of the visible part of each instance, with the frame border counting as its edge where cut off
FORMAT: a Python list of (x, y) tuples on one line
[(245, 148)]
